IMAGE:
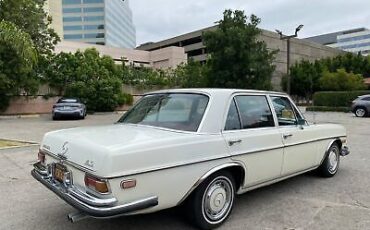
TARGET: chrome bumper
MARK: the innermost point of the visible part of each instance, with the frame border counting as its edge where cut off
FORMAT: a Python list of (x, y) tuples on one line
[(90, 205)]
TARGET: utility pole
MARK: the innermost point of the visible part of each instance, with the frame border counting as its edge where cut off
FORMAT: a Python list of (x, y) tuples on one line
[(287, 38)]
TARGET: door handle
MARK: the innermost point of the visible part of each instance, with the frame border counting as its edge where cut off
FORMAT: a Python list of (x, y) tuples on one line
[(231, 143), (285, 136)]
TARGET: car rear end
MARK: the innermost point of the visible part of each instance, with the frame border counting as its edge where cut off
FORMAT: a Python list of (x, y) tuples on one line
[(68, 110), (78, 186)]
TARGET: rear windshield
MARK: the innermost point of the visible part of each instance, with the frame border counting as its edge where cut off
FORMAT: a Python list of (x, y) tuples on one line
[(173, 110)]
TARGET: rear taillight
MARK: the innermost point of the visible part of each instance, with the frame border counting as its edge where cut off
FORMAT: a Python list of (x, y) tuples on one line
[(41, 157), (95, 184)]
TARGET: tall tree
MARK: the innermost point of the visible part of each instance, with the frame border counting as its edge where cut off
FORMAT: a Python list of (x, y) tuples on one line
[(17, 59), (30, 17), (191, 74), (237, 58)]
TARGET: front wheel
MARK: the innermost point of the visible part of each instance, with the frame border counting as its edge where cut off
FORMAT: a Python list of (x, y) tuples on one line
[(330, 165), (212, 202)]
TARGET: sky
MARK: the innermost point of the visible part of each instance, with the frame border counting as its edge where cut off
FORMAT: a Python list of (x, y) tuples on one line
[(157, 20)]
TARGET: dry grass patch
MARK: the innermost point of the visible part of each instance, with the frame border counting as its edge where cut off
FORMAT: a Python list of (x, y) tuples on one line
[(10, 144)]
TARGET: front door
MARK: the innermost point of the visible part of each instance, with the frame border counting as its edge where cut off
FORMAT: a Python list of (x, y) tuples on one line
[(300, 149), (253, 138)]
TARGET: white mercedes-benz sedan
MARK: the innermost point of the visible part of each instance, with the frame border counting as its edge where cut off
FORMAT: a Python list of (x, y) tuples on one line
[(197, 147)]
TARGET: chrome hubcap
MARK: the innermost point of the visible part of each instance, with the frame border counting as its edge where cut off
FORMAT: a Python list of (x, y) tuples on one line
[(360, 112), (333, 160), (218, 199)]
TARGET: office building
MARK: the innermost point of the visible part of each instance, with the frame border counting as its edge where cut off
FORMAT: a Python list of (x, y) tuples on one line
[(195, 49), (354, 40), (103, 22)]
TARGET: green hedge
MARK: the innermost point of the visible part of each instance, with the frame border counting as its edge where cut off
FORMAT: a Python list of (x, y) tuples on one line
[(328, 109), (336, 98)]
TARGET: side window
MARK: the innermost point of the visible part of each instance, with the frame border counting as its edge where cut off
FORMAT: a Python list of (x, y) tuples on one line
[(284, 111), (254, 112), (232, 120)]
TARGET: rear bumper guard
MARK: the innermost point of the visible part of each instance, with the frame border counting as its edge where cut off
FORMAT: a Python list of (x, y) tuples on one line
[(89, 205)]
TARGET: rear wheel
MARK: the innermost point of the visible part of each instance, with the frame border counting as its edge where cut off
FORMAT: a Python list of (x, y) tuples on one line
[(212, 202), (330, 165), (360, 112)]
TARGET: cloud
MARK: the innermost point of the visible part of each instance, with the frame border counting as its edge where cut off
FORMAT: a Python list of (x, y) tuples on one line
[(156, 20)]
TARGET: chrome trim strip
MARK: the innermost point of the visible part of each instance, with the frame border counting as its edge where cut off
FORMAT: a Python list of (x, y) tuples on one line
[(67, 162), (107, 211), (211, 159), (272, 181), (315, 140), (192, 162), (91, 200), (207, 174)]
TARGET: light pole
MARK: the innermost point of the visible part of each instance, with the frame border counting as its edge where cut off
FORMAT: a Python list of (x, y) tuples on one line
[(287, 38)]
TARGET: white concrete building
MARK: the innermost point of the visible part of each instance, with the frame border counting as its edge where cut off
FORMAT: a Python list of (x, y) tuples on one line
[(169, 57)]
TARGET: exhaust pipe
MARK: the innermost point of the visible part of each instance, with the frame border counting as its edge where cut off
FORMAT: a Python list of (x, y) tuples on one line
[(77, 216)]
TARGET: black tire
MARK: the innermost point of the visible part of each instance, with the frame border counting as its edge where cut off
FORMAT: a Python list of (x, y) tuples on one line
[(330, 165), (221, 189), (361, 111), (54, 117)]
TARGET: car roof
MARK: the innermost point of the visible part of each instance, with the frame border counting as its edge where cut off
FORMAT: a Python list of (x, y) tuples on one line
[(215, 91)]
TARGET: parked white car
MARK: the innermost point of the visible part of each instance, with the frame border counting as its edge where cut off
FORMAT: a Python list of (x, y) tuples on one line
[(198, 147)]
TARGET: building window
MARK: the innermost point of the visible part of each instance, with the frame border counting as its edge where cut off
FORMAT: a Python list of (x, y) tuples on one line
[(355, 38), (93, 9), (70, 2), (355, 46), (72, 19), (71, 10), (93, 1), (98, 35), (72, 36), (94, 18), (72, 27), (94, 27)]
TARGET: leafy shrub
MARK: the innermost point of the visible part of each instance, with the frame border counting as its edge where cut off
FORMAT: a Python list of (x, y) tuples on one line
[(306, 76), (328, 109), (86, 75), (336, 98), (101, 95), (341, 80)]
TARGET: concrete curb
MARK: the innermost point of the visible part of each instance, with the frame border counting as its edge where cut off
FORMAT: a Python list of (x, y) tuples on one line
[(20, 116)]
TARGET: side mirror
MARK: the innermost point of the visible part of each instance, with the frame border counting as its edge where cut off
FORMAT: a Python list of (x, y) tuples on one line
[(301, 122)]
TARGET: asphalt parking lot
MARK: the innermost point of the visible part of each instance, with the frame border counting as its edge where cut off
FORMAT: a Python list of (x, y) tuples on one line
[(303, 202)]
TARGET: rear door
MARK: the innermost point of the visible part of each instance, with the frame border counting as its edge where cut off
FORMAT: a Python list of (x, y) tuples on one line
[(300, 148), (253, 137)]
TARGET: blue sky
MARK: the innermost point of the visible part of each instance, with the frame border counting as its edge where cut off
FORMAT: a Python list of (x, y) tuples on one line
[(160, 19)]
